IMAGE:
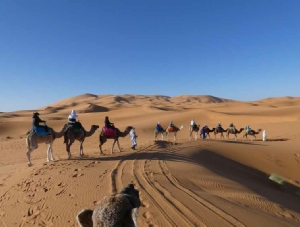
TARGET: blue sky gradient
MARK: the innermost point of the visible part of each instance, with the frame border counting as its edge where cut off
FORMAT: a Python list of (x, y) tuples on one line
[(242, 50)]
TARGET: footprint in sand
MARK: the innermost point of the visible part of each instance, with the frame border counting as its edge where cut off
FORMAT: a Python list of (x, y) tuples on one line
[(61, 184), (147, 215), (77, 175)]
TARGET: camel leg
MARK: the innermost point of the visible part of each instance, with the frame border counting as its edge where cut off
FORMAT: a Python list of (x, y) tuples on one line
[(69, 149), (119, 145), (196, 135), (112, 148), (48, 153), (162, 136), (174, 136), (28, 156), (100, 147), (81, 149), (51, 153)]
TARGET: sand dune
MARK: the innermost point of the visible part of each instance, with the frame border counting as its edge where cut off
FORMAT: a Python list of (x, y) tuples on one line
[(213, 182)]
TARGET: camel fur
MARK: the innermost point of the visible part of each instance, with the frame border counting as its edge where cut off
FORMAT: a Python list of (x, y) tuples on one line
[(207, 131), (32, 141), (161, 133), (175, 130), (103, 138), (251, 133), (71, 136), (230, 131), (117, 210), (194, 128)]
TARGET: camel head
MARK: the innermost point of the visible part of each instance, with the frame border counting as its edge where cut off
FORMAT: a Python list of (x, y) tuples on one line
[(181, 127), (258, 131), (128, 129), (95, 127)]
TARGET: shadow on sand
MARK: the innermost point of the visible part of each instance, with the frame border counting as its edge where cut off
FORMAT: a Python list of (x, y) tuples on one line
[(285, 195)]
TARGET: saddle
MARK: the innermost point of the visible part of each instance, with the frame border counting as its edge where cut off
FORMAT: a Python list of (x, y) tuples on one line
[(40, 131), (109, 132), (159, 129), (171, 129), (76, 127)]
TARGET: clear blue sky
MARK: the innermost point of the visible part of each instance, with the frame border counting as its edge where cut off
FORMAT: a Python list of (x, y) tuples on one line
[(237, 49)]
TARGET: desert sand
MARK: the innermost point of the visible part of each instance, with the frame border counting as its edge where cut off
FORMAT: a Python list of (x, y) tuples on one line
[(211, 182)]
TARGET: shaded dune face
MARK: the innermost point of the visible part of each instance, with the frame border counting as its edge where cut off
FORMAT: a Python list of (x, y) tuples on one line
[(187, 182)]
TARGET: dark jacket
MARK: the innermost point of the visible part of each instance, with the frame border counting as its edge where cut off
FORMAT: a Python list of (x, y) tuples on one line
[(36, 121), (72, 120), (107, 123)]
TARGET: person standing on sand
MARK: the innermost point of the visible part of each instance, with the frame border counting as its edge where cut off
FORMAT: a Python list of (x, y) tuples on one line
[(133, 137)]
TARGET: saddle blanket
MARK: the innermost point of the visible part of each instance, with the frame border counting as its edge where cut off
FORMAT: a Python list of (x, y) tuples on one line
[(159, 129), (40, 131), (76, 127), (170, 129), (110, 132)]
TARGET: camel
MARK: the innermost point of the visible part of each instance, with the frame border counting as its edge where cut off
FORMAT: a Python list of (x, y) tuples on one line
[(230, 131), (118, 210), (161, 133), (194, 128), (216, 131), (32, 141), (80, 136), (103, 138), (207, 131), (174, 129), (251, 133)]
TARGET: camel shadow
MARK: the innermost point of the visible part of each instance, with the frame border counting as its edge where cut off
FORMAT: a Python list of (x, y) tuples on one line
[(162, 143), (278, 139), (240, 142)]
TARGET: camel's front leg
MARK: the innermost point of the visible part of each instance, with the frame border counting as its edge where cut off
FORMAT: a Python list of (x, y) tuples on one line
[(81, 149), (28, 156), (119, 145), (196, 135), (50, 153)]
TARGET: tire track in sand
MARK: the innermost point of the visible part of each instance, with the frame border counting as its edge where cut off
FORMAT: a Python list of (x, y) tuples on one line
[(192, 199), (165, 213)]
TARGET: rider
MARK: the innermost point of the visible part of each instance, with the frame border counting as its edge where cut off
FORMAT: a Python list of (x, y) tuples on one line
[(72, 119), (171, 124), (108, 124), (158, 127), (219, 126), (36, 122), (193, 123), (248, 129), (232, 127)]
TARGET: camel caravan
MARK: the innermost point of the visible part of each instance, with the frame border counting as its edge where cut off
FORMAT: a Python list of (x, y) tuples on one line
[(74, 131)]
